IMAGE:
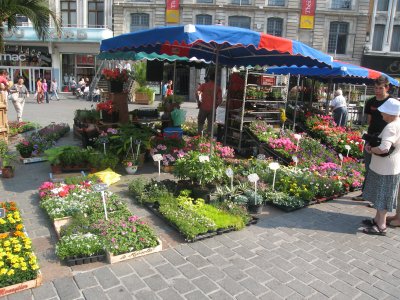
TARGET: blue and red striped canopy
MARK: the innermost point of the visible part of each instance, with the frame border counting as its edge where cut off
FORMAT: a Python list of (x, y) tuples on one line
[(341, 72), (233, 46)]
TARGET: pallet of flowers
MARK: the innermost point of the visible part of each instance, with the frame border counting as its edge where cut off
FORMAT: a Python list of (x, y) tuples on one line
[(88, 234), (19, 269), (15, 127), (32, 147)]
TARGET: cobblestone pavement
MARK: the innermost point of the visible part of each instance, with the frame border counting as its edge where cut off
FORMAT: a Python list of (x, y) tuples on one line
[(313, 253)]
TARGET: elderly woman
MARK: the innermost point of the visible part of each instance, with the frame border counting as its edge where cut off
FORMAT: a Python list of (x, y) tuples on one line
[(21, 92), (382, 183), (339, 108)]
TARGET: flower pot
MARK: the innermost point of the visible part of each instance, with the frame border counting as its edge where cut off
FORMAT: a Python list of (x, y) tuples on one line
[(255, 208), (56, 169), (167, 169), (8, 172), (116, 86), (131, 170)]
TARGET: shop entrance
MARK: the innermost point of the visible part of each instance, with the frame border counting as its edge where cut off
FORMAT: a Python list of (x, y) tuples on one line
[(30, 75)]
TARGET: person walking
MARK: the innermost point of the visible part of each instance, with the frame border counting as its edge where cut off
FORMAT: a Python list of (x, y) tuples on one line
[(39, 91), (45, 89), (21, 92), (382, 183), (206, 93), (165, 89), (53, 90), (339, 108), (374, 119)]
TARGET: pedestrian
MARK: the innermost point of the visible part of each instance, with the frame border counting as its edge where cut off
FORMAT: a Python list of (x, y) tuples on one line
[(39, 91), (4, 78), (165, 88), (374, 119), (53, 90), (19, 93), (45, 89), (382, 183), (206, 93), (170, 91), (339, 108)]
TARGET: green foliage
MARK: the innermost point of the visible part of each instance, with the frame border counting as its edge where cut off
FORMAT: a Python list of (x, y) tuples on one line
[(79, 245), (139, 71), (87, 115), (148, 91), (283, 199)]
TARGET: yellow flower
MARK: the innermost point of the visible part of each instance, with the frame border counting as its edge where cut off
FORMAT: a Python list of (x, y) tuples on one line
[(27, 246), (7, 243), (23, 264), (3, 271), (24, 268), (2, 221), (19, 227), (10, 273), (16, 265)]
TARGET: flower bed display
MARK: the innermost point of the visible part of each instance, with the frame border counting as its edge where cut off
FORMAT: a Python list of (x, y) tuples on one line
[(20, 127), (18, 264), (86, 235)]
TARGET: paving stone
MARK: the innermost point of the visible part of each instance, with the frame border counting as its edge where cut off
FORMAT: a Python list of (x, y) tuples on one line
[(327, 267), (198, 260), (363, 266), (133, 283), (249, 244), (301, 288), (212, 243), (231, 286), (345, 288), (121, 269), (387, 288), (227, 242), (284, 254), (258, 274), (196, 295), (253, 286), (322, 275), (146, 295), (185, 250), (261, 262), (280, 275), (45, 291), (66, 288), (225, 252), (372, 291), (155, 282), (299, 274), (189, 271), (220, 295), (168, 271), (218, 260), (244, 252), (323, 288), (381, 265), (94, 293), (235, 273), (295, 296), (142, 268), (319, 296), (271, 295), (202, 249), (205, 284), (173, 257), (169, 294), (388, 278), (85, 280), (155, 259), (364, 276), (283, 290), (240, 263), (182, 285), (106, 278), (282, 264), (21, 295), (119, 293), (213, 272), (246, 296), (350, 279)]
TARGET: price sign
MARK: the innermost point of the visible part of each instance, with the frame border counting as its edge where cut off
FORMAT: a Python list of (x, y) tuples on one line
[(253, 177), (157, 157), (347, 147), (229, 172), (101, 187), (261, 157), (2, 212), (204, 158), (295, 159), (274, 166), (341, 156)]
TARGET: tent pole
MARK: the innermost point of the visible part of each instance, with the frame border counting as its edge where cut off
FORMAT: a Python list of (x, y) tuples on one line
[(174, 82), (295, 103), (214, 99)]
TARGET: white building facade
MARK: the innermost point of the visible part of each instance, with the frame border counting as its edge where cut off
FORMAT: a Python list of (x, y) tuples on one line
[(85, 23)]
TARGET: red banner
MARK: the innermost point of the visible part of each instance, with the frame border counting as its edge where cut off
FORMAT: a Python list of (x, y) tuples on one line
[(172, 13), (307, 14)]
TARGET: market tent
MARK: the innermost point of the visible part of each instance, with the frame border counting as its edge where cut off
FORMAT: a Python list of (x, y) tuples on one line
[(229, 46), (341, 72)]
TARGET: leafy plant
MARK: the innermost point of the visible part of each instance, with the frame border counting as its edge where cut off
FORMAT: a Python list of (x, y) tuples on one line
[(148, 91), (79, 245), (283, 199)]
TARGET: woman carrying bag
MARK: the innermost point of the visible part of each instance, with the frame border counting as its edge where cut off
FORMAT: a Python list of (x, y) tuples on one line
[(19, 92)]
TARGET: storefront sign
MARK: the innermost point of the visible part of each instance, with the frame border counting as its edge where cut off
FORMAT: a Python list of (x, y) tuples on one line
[(307, 14), (85, 60), (172, 13), (12, 57), (25, 56), (267, 80)]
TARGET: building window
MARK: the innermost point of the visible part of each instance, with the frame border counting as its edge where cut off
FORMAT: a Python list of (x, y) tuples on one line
[(395, 44), (377, 41), (275, 26), (95, 13), (341, 4), (22, 20), (239, 21), (383, 5), (68, 13), (241, 2), (139, 22), (276, 2), (398, 5), (338, 32), (204, 19)]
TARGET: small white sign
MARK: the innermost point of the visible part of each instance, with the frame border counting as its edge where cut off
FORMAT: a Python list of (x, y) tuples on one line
[(157, 157), (347, 147), (100, 187), (341, 156), (261, 156), (204, 158), (229, 172), (274, 166), (253, 177), (295, 159), (297, 136)]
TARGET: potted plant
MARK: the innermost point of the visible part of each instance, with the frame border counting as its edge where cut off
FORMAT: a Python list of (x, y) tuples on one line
[(25, 148), (107, 112), (255, 201), (144, 95), (131, 161), (117, 78), (6, 159)]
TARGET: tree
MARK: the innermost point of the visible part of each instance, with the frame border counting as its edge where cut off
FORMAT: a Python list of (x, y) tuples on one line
[(37, 11)]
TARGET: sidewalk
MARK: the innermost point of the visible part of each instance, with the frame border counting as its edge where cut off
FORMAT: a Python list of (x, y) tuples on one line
[(313, 253)]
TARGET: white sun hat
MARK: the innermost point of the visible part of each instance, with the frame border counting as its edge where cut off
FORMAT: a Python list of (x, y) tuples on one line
[(390, 107)]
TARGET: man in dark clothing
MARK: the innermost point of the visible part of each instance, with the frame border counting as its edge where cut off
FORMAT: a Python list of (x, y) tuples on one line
[(374, 118)]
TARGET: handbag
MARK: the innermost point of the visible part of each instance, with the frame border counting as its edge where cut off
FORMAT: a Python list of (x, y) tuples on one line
[(15, 96)]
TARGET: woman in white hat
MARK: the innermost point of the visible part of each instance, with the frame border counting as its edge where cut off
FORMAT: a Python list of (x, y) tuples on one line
[(382, 183)]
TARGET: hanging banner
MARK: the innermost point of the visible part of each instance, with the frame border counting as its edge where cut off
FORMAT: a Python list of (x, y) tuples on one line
[(307, 14), (172, 13)]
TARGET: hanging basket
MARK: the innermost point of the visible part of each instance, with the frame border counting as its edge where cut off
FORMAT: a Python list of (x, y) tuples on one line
[(131, 170)]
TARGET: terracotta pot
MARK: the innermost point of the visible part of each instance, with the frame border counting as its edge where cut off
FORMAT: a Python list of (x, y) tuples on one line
[(7, 172)]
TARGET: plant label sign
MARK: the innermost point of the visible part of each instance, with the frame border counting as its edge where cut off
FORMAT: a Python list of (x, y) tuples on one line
[(341, 156), (253, 178), (229, 172), (157, 157), (204, 158), (2, 212), (295, 159), (101, 187), (261, 156)]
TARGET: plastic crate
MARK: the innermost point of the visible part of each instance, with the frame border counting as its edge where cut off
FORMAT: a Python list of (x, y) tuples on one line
[(173, 132)]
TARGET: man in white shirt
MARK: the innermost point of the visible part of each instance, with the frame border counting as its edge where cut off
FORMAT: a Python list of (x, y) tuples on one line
[(339, 108)]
